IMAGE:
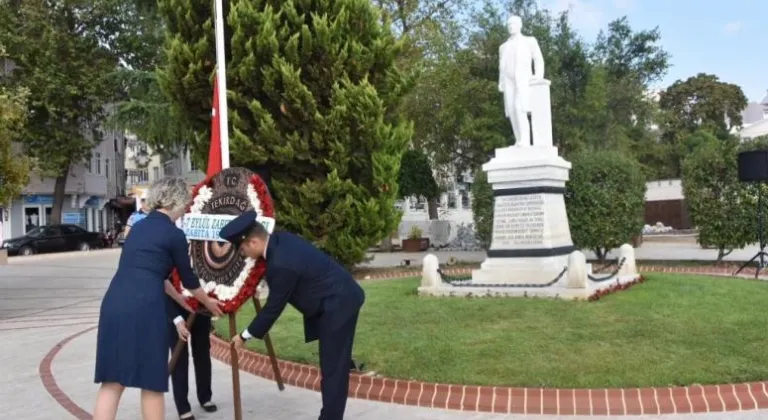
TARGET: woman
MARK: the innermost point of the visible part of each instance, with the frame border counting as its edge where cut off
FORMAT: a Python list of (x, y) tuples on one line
[(132, 345)]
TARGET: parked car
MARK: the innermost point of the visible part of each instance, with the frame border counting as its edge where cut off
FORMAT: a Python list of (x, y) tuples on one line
[(54, 238)]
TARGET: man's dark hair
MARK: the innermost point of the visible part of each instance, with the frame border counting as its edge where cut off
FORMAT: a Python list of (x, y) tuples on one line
[(257, 230)]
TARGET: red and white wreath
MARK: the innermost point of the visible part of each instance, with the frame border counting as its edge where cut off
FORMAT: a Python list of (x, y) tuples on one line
[(244, 286)]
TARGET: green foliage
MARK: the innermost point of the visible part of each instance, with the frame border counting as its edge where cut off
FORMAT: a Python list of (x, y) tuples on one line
[(605, 198), (415, 232), (14, 169), (149, 114), (64, 54), (311, 88), (722, 208), (415, 178), (700, 102), (482, 208)]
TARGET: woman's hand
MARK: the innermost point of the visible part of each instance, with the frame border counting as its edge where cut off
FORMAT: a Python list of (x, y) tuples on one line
[(214, 306), (182, 330)]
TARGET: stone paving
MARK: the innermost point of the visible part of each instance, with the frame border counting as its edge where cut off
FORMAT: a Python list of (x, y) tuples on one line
[(44, 300), (650, 250)]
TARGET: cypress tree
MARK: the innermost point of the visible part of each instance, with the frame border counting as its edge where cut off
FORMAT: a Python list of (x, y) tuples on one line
[(312, 90)]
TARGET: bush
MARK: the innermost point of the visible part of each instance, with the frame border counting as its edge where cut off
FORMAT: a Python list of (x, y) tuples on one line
[(722, 208), (415, 233), (482, 208), (605, 200)]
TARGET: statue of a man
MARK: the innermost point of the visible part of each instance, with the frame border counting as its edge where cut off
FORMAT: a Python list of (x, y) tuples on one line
[(515, 76)]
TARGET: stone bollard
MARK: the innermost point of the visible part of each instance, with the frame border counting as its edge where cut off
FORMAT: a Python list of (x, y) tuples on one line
[(429, 274), (627, 253), (577, 270), (3, 256)]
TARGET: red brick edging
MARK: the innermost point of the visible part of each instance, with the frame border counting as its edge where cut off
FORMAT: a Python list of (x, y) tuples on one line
[(692, 399), (49, 382), (632, 401)]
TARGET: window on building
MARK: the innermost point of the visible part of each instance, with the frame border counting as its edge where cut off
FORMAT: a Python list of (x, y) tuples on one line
[(89, 165), (98, 163), (106, 168), (155, 173), (465, 204), (451, 200), (169, 169), (192, 165)]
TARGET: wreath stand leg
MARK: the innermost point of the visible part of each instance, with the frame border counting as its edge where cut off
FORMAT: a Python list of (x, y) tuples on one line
[(270, 349), (179, 346), (235, 370)]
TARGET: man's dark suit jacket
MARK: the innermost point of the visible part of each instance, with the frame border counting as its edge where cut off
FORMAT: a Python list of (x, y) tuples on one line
[(312, 282)]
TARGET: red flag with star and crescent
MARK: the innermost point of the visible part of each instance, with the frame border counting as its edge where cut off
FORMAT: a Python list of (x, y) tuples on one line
[(214, 152)]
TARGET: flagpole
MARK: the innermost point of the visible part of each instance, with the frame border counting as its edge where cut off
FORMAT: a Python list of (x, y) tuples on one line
[(221, 75)]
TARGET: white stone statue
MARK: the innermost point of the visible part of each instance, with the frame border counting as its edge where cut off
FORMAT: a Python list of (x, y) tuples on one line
[(515, 76)]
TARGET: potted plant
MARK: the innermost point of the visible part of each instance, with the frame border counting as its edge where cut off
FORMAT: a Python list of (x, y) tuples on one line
[(415, 242)]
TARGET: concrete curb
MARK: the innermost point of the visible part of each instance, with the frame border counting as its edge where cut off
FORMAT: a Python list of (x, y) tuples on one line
[(18, 260)]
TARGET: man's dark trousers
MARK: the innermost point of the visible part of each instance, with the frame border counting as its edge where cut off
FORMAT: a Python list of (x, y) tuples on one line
[(199, 337), (335, 355)]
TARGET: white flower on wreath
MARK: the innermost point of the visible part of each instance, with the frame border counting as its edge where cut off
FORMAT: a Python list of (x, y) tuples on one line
[(224, 292)]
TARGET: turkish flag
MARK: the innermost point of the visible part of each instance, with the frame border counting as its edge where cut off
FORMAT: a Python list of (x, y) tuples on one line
[(214, 152)]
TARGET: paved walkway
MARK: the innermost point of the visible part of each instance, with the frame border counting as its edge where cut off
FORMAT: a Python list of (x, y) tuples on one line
[(648, 251), (48, 309)]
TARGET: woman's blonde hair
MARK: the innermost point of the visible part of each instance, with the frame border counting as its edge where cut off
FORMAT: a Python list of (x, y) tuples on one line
[(170, 193)]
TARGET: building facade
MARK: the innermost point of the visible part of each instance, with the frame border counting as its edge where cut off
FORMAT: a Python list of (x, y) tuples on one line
[(89, 187), (143, 166)]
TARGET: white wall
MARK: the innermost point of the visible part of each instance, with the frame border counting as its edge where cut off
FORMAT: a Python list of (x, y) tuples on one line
[(668, 189)]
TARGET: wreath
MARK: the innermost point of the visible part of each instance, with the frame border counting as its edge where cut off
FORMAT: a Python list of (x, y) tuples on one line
[(244, 286)]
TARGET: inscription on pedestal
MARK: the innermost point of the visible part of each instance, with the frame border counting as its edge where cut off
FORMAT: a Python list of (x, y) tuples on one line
[(518, 220)]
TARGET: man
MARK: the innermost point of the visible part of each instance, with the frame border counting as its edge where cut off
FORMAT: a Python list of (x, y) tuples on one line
[(201, 358), (137, 216), (516, 72), (318, 287)]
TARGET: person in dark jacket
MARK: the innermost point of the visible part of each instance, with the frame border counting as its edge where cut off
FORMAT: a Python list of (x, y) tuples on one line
[(199, 338), (323, 291)]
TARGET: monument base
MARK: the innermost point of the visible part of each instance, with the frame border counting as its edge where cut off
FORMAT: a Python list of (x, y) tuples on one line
[(557, 291), (518, 271), (531, 238), (574, 281)]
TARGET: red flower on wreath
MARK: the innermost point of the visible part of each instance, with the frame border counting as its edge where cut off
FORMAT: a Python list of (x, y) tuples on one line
[(256, 273)]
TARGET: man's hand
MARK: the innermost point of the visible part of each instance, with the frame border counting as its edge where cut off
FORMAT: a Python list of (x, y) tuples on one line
[(182, 330), (237, 342)]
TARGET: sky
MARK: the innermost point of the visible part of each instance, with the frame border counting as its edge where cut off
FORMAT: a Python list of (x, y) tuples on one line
[(727, 39)]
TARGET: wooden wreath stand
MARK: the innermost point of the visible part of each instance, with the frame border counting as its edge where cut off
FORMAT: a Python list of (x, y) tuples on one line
[(234, 359)]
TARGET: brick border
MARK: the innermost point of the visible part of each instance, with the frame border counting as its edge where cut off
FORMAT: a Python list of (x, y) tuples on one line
[(517, 400), (49, 382), (488, 399)]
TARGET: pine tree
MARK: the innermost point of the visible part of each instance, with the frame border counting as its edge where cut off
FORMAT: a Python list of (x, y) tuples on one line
[(311, 85)]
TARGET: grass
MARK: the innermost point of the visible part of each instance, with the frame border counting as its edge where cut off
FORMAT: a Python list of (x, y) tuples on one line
[(671, 330)]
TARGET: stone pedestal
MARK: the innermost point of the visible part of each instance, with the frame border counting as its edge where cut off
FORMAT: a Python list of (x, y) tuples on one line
[(531, 237)]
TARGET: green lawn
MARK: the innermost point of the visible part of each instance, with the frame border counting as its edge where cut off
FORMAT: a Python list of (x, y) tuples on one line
[(671, 330)]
